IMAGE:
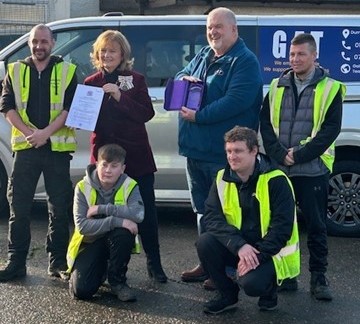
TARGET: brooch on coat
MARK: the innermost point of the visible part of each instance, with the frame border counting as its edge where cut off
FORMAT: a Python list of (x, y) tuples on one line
[(125, 82)]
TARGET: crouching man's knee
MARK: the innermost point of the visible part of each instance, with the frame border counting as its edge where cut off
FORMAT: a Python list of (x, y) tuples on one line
[(80, 291)]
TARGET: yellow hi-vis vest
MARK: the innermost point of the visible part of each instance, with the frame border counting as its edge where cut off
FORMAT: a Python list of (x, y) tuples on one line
[(287, 261), (62, 140), (90, 194), (325, 93)]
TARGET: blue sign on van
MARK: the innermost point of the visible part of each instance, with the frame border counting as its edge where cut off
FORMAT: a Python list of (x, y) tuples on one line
[(338, 50)]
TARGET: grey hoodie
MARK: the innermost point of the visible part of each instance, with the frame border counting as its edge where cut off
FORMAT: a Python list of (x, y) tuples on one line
[(111, 216)]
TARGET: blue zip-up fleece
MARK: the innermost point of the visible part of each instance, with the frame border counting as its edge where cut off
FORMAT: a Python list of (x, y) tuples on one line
[(233, 96)]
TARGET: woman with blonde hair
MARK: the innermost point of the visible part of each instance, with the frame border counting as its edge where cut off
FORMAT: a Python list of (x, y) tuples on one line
[(125, 109)]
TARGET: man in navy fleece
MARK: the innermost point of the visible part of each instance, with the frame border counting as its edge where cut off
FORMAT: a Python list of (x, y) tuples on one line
[(233, 96)]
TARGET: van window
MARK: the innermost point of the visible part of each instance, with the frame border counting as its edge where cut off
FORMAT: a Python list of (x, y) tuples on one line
[(165, 59), (163, 50), (249, 35), (20, 54), (199, 43), (159, 53), (7, 39), (73, 45)]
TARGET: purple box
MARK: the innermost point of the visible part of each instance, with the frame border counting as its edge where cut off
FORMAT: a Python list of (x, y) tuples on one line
[(180, 93)]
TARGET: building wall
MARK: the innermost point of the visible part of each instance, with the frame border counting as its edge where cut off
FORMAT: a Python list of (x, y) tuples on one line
[(82, 8), (59, 9), (263, 7), (21, 15)]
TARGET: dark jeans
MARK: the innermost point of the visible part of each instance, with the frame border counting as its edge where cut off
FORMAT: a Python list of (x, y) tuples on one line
[(311, 194), (215, 258), (200, 176), (148, 228), (27, 168), (109, 256)]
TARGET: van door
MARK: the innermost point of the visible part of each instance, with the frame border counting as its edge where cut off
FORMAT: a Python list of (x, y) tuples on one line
[(161, 52)]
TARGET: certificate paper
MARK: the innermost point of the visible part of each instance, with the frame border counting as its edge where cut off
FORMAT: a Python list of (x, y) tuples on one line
[(85, 107)]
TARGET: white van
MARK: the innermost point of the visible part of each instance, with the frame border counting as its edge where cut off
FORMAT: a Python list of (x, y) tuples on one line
[(162, 45)]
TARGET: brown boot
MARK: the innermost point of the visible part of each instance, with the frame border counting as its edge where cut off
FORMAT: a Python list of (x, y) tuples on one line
[(196, 274), (209, 285)]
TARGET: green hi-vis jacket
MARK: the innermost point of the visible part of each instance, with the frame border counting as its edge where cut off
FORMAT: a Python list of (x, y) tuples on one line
[(90, 194), (62, 140), (287, 260), (325, 93)]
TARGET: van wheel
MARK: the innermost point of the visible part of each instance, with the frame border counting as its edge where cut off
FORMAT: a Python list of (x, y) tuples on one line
[(4, 206), (343, 213)]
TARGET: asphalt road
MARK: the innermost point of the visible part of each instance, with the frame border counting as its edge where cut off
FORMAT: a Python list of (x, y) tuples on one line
[(40, 299)]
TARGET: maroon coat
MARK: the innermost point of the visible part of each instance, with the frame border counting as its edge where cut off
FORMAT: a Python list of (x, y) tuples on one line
[(123, 122)]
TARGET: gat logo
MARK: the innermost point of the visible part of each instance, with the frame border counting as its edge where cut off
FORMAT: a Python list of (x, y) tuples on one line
[(280, 39)]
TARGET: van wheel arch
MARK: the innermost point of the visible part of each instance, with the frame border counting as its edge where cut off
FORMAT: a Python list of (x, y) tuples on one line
[(343, 212)]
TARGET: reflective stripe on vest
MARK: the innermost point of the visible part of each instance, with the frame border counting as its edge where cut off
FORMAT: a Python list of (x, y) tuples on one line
[(287, 261), (62, 140), (90, 194), (325, 93)]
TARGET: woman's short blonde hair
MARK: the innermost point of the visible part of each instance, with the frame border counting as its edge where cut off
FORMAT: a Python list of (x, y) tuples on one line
[(108, 37)]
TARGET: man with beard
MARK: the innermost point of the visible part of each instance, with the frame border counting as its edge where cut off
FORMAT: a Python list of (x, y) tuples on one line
[(36, 97), (232, 96)]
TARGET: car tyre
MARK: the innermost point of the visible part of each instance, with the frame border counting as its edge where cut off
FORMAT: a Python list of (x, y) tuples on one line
[(343, 213)]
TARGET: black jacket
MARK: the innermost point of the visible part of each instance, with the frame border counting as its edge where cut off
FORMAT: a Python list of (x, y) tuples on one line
[(282, 213)]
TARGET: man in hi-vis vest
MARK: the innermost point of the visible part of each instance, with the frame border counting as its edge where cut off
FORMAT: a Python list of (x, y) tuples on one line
[(250, 221), (36, 97), (107, 208), (300, 120)]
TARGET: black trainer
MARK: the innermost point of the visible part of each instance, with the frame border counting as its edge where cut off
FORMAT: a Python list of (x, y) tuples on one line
[(12, 271), (269, 302), (319, 286), (220, 304), (289, 284), (123, 292)]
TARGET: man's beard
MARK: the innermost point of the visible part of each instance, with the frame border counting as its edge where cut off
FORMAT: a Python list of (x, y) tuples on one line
[(41, 56)]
